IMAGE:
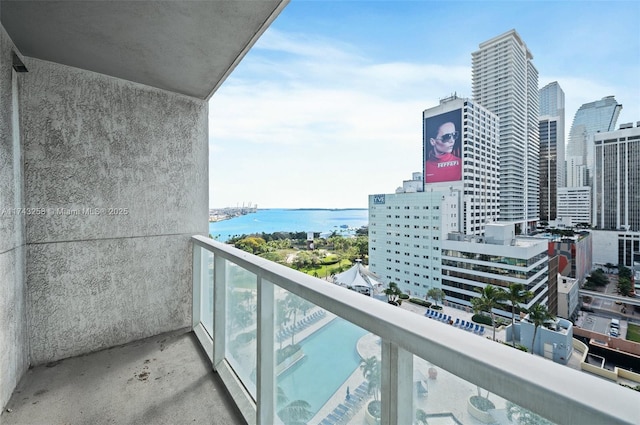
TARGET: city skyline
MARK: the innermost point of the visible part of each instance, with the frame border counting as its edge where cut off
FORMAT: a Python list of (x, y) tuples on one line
[(326, 108)]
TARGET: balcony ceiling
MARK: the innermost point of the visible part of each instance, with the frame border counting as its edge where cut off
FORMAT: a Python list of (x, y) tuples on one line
[(186, 47)]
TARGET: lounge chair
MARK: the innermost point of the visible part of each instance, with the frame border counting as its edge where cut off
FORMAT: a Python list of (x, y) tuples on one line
[(333, 417), (341, 408), (457, 321)]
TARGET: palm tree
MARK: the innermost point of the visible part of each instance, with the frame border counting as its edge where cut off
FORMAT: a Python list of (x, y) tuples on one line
[(392, 293), (371, 371), (282, 316), (294, 304), (515, 295), (298, 412), (538, 315), (436, 294), (490, 297)]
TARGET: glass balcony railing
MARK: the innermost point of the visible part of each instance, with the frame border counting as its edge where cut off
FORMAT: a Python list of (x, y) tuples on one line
[(292, 348)]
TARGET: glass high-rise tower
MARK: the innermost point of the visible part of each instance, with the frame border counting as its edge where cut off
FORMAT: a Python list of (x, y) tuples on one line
[(505, 81), (551, 128), (591, 118)]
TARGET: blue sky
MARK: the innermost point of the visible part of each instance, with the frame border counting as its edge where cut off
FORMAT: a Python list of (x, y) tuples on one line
[(326, 108)]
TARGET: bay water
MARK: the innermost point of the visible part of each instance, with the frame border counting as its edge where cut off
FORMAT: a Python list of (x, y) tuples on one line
[(323, 221)]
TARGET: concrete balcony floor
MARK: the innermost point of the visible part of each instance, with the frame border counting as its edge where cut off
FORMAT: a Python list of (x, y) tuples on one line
[(165, 379)]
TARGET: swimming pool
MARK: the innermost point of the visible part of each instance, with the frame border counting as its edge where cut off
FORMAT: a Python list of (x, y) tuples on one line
[(330, 358)]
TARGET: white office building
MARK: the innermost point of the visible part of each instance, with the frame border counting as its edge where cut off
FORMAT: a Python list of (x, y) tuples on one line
[(505, 81), (568, 297), (500, 258), (414, 241), (405, 232), (476, 150), (574, 205)]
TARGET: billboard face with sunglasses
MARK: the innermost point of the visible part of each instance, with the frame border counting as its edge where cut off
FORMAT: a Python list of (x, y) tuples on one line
[(442, 147)]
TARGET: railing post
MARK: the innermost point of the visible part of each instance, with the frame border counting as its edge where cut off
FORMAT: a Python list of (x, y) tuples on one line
[(397, 385), (266, 383), (196, 313), (219, 309)]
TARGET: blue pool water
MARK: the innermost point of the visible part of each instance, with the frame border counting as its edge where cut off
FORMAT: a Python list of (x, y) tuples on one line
[(331, 357)]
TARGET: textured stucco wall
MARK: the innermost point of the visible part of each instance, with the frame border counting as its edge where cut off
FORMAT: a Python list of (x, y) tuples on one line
[(14, 351), (97, 143)]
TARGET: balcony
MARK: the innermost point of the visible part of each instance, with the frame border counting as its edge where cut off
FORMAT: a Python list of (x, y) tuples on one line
[(226, 368), (428, 368)]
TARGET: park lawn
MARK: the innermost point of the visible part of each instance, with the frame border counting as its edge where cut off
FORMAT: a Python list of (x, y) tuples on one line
[(633, 332), (325, 271)]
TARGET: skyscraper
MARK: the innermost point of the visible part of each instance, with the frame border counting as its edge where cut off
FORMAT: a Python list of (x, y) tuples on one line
[(551, 128), (591, 118), (471, 162), (616, 183), (505, 81)]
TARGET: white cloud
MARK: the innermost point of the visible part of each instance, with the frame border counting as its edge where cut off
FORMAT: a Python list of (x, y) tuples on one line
[(321, 130), (312, 122)]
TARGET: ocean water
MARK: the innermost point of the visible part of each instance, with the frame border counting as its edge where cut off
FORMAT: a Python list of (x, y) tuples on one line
[(290, 220)]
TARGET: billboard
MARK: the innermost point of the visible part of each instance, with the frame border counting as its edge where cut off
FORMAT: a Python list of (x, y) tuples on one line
[(442, 147)]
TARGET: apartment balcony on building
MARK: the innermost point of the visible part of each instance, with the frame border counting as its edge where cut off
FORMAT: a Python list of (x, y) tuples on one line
[(115, 307), (103, 181)]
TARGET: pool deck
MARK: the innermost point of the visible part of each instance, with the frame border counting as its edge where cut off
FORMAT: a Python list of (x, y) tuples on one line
[(446, 393)]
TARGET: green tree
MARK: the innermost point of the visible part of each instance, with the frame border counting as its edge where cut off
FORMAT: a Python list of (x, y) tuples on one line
[(436, 294), (297, 412), (370, 368), (362, 245), (538, 315), (252, 244), (294, 304), (516, 294), (609, 266), (282, 315), (276, 257), (490, 298), (624, 271), (392, 292), (338, 242), (241, 313), (302, 260), (597, 278), (624, 286)]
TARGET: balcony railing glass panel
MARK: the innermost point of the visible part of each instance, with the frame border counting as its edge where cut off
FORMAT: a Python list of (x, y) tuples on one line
[(206, 290), (241, 320), (320, 372), (442, 397)]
